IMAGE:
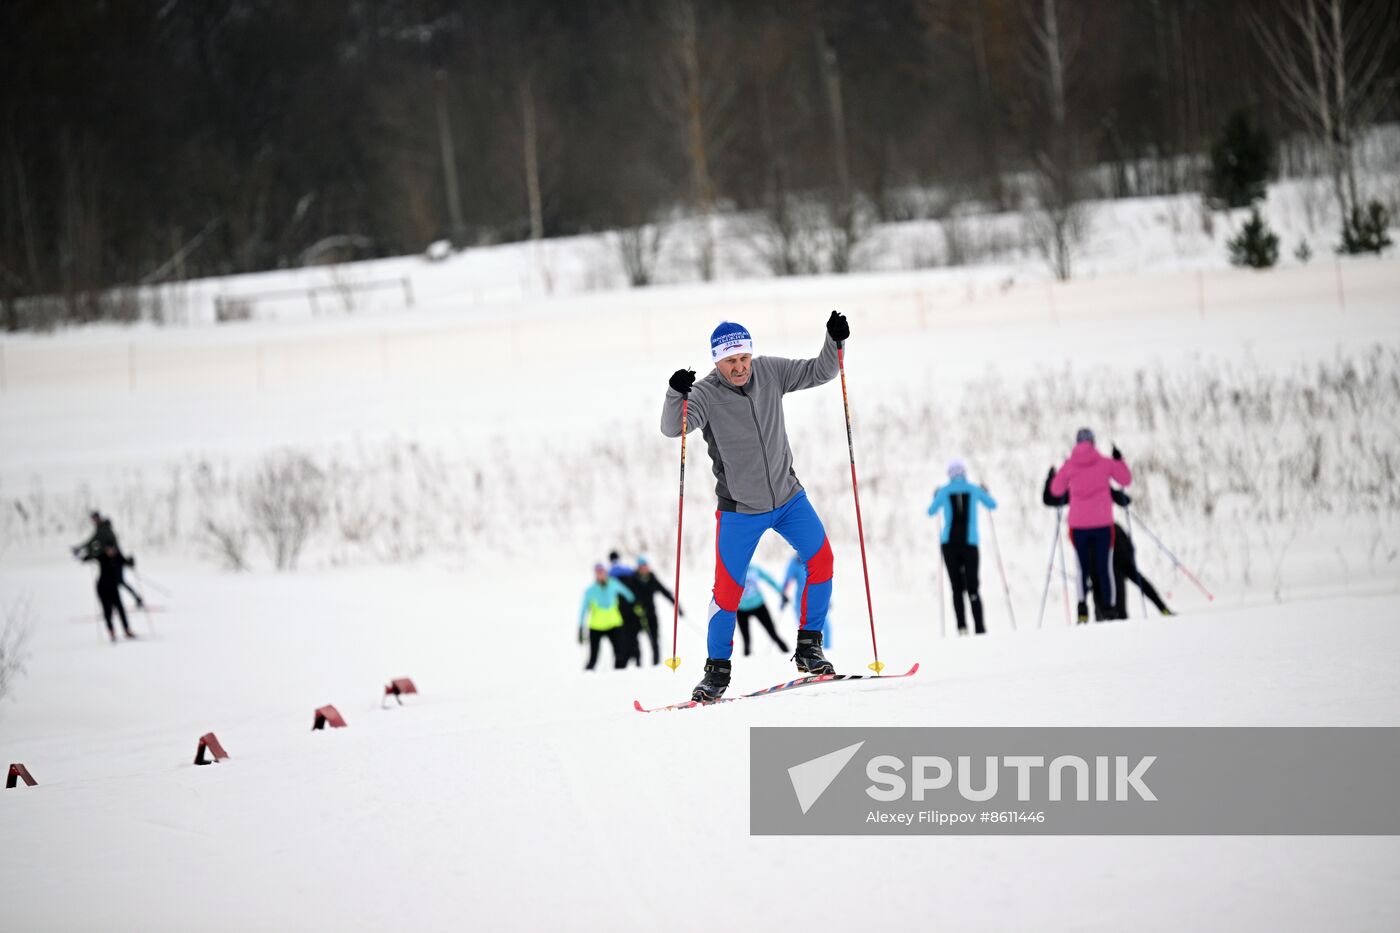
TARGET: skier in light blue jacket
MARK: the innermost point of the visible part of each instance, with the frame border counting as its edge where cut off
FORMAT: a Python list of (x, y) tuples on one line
[(752, 606), (601, 615), (957, 502)]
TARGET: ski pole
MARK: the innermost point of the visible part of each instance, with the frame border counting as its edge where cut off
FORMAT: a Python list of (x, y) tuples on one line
[(1049, 570), (1128, 514), (942, 610), (1064, 574), (1005, 585), (147, 613), (875, 666), (1176, 563), (149, 584), (674, 661)]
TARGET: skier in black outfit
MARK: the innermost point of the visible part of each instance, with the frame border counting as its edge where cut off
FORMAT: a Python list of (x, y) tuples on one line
[(957, 501), (109, 581), (1125, 568), (1124, 558), (646, 587), (104, 537), (631, 635)]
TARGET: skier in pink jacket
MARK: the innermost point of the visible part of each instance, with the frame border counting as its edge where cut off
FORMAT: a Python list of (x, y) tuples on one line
[(1085, 476)]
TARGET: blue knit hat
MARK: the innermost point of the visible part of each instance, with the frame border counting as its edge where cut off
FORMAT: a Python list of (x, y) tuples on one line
[(1084, 435), (730, 339)]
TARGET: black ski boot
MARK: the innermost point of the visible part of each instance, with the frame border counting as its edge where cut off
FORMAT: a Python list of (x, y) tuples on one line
[(809, 657), (714, 683)]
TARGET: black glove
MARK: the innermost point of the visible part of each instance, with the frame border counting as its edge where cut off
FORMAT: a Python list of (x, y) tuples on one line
[(837, 327), (580, 634), (682, 380), (1121, 497), (785, 601), (130, 560), (1117, 454), (1051, 475), (76, 550)]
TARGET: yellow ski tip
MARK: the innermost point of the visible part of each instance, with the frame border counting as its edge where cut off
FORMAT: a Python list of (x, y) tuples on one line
[(877, 666), (673, 663)]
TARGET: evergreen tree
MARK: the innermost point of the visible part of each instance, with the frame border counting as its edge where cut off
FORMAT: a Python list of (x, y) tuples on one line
[(1256, 245), (1365, 232), (1241, 162)]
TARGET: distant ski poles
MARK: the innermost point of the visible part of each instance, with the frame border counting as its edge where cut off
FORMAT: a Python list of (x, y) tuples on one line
[(1005, 585), (148, 583), (1142, 593), (877, 666), (1172, 557), (1064, 574), (1049, 569)]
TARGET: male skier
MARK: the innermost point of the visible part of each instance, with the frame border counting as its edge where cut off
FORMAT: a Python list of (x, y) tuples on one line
[(738, 407)]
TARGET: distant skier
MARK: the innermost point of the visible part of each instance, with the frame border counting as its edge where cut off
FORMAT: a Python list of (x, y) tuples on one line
[(1124, 558), (1086, 476), (646, 587), (752, 606), (796, 576), (104, 537), (602, 617), (739, 409), (957, 502), (110, 564), (631, 617), (1125, 567)]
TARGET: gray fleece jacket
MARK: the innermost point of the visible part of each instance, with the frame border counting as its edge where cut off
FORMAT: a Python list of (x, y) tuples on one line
[(744, 428)]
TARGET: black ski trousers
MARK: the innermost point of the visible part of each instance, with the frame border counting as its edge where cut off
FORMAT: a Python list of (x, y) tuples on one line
[(1120, 576), (615, 637), (764, 619), (961, 561), (653, 631), (111, 598), (1095, 549)]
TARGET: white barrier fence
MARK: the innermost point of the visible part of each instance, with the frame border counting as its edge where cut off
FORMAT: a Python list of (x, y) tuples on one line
[(260, 356)]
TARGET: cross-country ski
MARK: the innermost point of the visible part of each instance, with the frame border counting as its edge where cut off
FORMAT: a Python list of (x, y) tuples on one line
[(809, 680)]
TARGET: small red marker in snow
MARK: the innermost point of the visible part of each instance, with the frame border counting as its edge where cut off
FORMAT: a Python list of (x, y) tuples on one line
[(19, 772), (328, 716), (210, 744), (397, 688)]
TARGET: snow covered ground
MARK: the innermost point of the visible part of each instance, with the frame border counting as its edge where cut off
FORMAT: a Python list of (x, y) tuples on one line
[(494, 457)]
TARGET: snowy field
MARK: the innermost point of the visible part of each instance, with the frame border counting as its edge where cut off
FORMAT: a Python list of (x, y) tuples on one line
[(477, 464)]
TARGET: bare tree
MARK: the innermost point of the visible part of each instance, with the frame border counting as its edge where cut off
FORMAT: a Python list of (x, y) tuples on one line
[(1330, 65), (449, 158), (285, 500), (639, 249), (964, 23), (845, 226), (1056, 219), (14, 638), (698, 94), (530, 145), (786, 235)]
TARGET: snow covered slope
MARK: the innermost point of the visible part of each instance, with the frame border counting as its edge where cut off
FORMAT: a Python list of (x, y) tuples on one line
[(494, 460), (515, 793)]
